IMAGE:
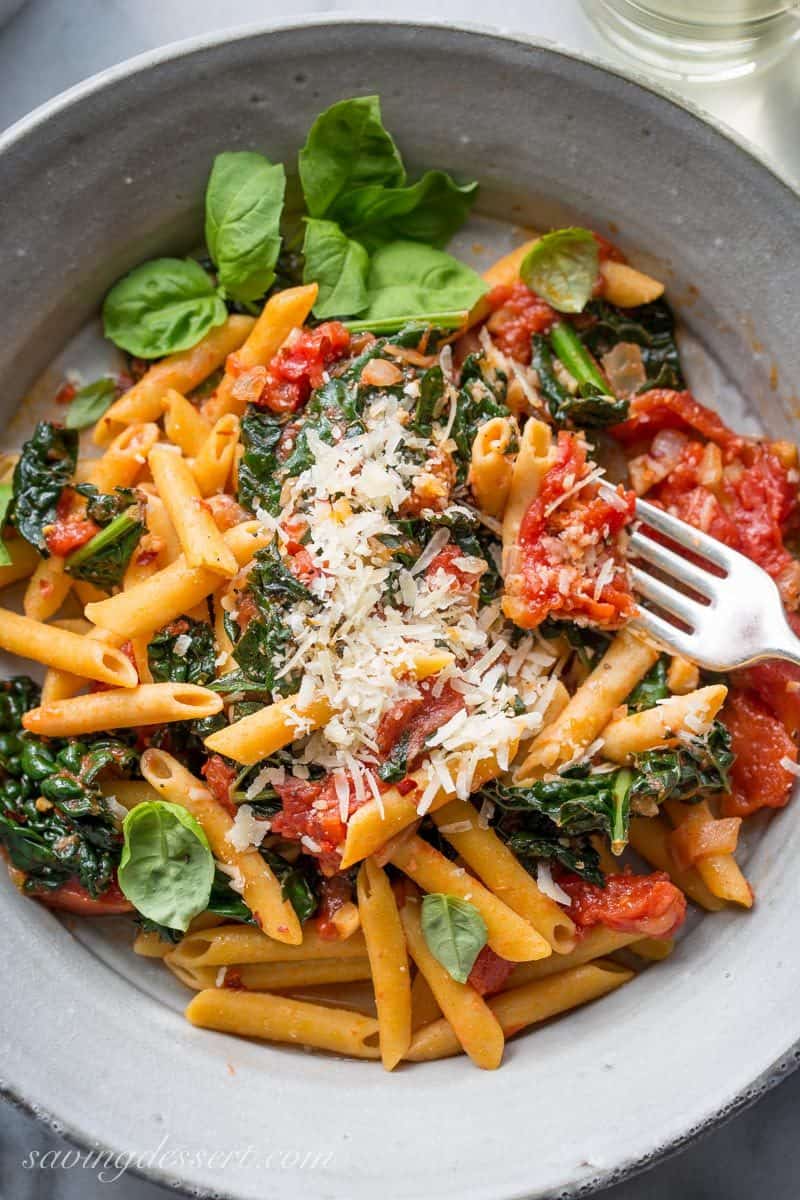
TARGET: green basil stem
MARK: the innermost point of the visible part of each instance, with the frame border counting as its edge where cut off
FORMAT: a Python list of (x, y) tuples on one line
[(576, 358), (113, 532), (621, 792), (441, 320)]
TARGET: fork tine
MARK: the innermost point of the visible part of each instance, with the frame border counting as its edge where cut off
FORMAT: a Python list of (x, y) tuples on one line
[(661, 631), (672, 563), (685, 535), (668, 598)]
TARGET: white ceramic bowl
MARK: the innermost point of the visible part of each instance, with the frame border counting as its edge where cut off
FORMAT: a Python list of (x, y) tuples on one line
[(112, 173)]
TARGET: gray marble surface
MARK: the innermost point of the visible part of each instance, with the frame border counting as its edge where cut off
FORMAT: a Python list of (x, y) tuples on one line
[(51, 45)]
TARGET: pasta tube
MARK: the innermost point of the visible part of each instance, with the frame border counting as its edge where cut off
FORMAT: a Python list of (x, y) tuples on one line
[(122, 463), (649, 837), (281, 1019), (720, 872), (24, 560), (273, 977), (386, 947), (260, 889), (123, 708), (534, 459), (491, 467), (67, 651), (509, 934), (466, 1014), (659, 726), (183, 372), (214, 461), (520, 1007), (184, 424), (502, 872), (234, 944), (202, 543), (48, 588)]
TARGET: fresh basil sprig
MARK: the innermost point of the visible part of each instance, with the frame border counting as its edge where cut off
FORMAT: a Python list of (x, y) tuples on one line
[(89, 404), (338, 265), (455, 932), (244, 201), (347, 148), (162, 307), (6, 494), (408, 281), (562, 267), (166, 869), (430, 210)]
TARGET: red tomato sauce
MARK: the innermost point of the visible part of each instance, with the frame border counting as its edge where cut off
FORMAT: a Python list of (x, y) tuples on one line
[(73, 897), (517, 313), (220, 777), (561, 551), (71, 528), (647, 904), (334, 894), (489, 972), (777, 685), (416, 719), (311, 811), (663, 408), (299, 365), (758, 739)]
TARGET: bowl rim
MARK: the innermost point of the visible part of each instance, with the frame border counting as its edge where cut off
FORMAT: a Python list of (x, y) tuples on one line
[(175, 50)]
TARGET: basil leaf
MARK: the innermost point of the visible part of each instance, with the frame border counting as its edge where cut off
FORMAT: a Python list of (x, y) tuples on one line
[(6, 493), (166, 869), (455, 932), (338, 265), (244, 201), (44, 468), (562, 267), (347, 147), (89, 404), (430, 211), (161, 307), (408, 281)]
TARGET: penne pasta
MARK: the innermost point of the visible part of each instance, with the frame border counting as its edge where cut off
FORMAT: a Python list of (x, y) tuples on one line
[(491, 468), (48, 588), (123, 708), (272, 977), (660, 726), (24, 560), (467, 1016), (184, 424), (595, 942), (260, 889), (182, 372), (649, 837), (67, 652), (213, 463), (388, 961), (125, 458), (528, 1005), (201, 541), (720, 872), (502, 872), (510, 935), (227, 945), (534, 458)]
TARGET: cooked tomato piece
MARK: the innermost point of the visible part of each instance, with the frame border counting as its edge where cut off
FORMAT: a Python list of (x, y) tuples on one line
[(452, 561), (647, 904), (311, 816), (66, 393), (299, 365), (759, 778), (71, 528), (517, 313), (334, 894), (413, 721), (489, 972), (73, 897), (567, 560), (777, 684), (664, 408), (220, 777), (246, 610)]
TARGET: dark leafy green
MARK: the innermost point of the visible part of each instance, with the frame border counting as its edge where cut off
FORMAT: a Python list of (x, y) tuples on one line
[(103, 559), (650, 689), (45, 466), (651, 326), (261, 651), (161, 307), (196, 662), (296, 885), (574, 854), (589, 644), (244, 202), (6, 496), (589, 407), (580, 801), (688, 772), (259, 485)]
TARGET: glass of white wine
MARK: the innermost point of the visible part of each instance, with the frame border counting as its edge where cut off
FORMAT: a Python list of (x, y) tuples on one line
[(699, 39)]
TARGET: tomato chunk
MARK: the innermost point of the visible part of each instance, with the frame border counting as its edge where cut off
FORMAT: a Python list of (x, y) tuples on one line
[(759, 776), (664, 408), (299, 365), (71, 528), (311, 815), (517, 313), (220, 777), (334, 894), (489, 972), (647, 904), (413, 721), (567, 560)]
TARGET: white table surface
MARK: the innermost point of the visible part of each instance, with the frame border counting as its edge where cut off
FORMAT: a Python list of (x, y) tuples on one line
[(52, 44)]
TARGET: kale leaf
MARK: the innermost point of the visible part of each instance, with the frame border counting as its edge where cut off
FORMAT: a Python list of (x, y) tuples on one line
[(45, 466), (650, 689), (579, 801), (688, 771), (259, 482), (590, 407), (262, 649), (476, 404), (651, 326), (104, 558), (575, 854), (194, 665)]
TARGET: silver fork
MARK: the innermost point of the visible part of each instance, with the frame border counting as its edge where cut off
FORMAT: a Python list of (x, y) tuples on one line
[(730, 620)]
